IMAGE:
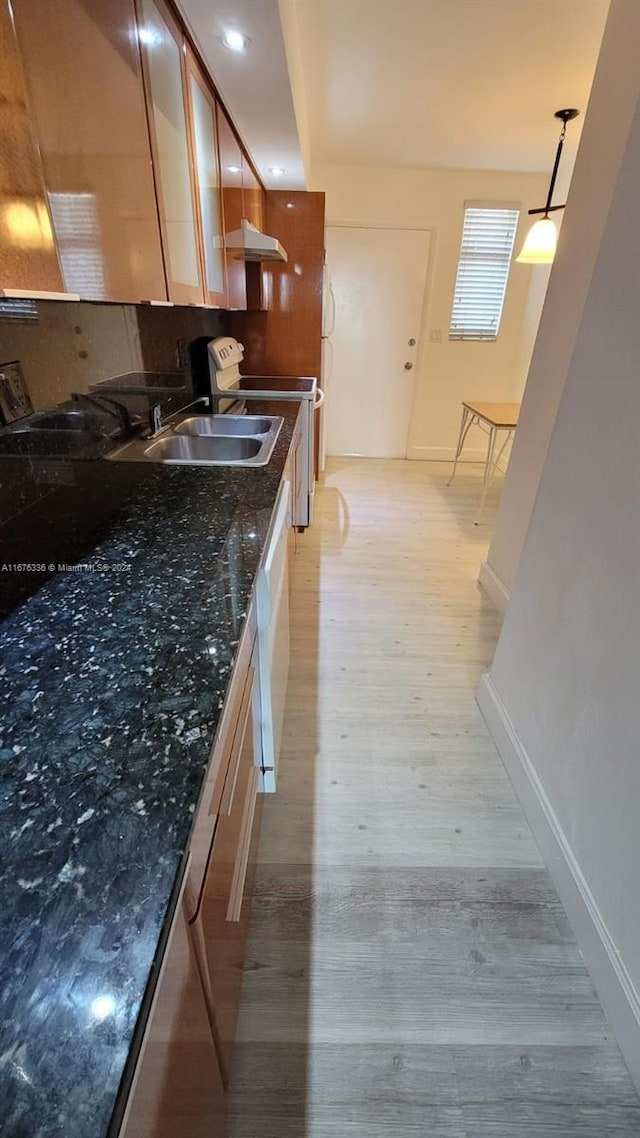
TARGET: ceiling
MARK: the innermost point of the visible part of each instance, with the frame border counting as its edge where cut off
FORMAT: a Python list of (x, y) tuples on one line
[(253, 84), (402, 83), (449, 83)]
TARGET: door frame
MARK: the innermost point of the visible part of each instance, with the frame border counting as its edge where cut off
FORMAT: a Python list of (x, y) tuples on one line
[(353, 223)]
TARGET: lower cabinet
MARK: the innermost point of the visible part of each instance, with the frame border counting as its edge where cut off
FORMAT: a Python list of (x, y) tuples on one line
[(184, 1066), (272, 603), (219, 928), (185, 1063), (177, 1088), (300, 485)]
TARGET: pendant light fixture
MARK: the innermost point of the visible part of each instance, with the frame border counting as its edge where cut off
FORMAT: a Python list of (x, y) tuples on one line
[(540, 244)]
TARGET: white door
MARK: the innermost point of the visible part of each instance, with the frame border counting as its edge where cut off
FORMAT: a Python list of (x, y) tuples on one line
[(379, 278)]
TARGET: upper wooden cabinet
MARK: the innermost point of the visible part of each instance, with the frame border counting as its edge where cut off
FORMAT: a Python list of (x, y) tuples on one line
[(120, 172), (231, 159), (162, 46), (207, 173), (27, 252), (82, 66), (252, 194)]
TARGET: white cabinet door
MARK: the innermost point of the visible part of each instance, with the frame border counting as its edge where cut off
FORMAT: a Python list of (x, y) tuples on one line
[(273, 635), (177, 1086)]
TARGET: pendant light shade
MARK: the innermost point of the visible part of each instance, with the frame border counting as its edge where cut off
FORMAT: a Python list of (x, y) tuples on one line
[(540, 243)]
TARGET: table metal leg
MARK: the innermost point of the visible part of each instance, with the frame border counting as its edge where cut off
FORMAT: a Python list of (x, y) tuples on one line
[(464, 430), (488, 470), (509, 435)]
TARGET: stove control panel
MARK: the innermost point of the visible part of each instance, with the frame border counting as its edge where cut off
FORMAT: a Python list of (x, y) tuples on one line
[(225, 357)]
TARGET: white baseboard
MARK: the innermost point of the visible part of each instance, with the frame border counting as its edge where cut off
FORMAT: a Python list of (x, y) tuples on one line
[(448, 454), (610, 977), (494, 587)]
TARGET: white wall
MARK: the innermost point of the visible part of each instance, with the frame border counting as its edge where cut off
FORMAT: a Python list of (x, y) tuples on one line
[(528, 331), (447, 371), (602, 145), (565, 682)]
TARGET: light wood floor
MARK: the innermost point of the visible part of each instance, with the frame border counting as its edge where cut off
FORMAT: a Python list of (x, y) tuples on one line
[(410, 968)]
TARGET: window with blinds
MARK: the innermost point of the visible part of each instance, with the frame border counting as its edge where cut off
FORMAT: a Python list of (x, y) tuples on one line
[(488, 234)]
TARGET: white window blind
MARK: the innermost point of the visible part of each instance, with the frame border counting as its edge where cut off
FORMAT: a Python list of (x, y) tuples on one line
[(488, 234)]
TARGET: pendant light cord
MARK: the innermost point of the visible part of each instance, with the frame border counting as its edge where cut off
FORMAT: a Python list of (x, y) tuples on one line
[(567, 116), (554, 173)]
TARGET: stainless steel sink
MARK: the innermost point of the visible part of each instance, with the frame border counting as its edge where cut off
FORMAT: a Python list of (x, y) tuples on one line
[(207, 440), (241, 425), (68, 431), (197, 449)]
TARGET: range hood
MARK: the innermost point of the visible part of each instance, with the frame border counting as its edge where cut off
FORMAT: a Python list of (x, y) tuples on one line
[(255, 246)]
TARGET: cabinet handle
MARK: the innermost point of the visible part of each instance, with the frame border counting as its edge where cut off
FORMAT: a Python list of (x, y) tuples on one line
[(228, 793)]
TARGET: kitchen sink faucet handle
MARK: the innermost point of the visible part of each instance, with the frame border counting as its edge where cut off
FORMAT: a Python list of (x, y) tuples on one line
[(155, 419)]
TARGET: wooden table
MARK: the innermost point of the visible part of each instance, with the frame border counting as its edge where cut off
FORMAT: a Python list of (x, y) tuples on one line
[(491, 418)]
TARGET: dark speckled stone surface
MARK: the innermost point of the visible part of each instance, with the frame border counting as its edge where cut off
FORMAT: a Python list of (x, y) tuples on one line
[(112, 683)]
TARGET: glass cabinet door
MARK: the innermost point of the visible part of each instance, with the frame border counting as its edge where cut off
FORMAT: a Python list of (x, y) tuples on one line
[(205, 151), (251, 194), (231, 176), (161, 44), (87, 112), (27, 252)]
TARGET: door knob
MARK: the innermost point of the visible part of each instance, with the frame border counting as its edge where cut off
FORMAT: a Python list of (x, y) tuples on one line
[(408, 366)]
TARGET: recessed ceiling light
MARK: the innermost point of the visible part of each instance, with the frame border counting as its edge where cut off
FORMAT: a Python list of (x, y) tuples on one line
[(234, 169), (277, 171), (289, 205), (234, 40)]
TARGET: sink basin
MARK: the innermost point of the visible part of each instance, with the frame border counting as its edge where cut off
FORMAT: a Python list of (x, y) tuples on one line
[(197, 449), (234, 425), (207, 440), (72, 430)]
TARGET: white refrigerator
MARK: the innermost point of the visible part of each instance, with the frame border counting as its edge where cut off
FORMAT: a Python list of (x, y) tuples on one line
[(328, 328)]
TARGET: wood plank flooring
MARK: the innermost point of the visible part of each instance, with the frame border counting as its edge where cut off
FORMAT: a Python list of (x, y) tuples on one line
[(410, 968)]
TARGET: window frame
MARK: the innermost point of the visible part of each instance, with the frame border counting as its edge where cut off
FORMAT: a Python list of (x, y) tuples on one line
[(465, 259)]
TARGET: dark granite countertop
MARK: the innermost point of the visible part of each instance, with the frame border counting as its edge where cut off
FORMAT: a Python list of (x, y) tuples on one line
[(113, 678)]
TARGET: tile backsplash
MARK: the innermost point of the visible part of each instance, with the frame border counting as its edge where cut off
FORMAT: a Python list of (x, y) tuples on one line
[(70, 345)]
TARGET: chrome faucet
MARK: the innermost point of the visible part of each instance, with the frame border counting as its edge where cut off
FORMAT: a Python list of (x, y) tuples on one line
[(155, 420)]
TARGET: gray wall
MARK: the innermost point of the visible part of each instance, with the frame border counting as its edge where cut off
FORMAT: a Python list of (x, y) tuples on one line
[(567, 667), (602, 145)]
